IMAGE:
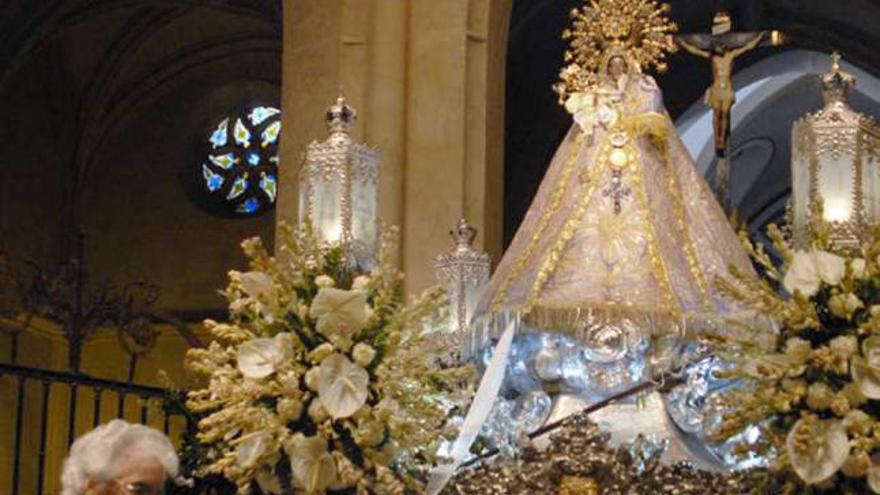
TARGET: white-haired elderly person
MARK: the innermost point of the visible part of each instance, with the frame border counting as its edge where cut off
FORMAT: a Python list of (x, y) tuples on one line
[(119, 458)]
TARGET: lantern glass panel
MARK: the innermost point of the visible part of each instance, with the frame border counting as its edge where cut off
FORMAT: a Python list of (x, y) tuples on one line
[(836, 186), (871, 187), (327, 211), (363, 210), (463, 272)]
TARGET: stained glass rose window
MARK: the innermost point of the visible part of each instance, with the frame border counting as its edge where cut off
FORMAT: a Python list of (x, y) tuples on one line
[(242, 163)]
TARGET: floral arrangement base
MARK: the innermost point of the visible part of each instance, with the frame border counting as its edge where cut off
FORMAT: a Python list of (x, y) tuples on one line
[(324, 379)]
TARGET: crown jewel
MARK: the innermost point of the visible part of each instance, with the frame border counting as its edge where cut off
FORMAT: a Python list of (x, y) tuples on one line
[(639, 28), (341, 117), (463, 234), (837, 83)]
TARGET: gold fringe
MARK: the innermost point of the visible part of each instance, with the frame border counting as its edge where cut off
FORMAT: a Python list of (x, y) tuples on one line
[(577, 321)]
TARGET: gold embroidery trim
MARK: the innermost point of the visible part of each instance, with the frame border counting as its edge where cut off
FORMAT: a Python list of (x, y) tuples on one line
[(689, 251), (572, 319), (661, 272), (653, 125), (555, 201), (552, 258)]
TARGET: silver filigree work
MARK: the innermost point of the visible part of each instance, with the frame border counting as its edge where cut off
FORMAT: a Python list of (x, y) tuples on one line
[(463, 271), (339, 183), (580, 460)]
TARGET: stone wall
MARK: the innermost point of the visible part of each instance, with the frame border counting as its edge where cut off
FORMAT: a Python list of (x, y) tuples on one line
[(428, 81)]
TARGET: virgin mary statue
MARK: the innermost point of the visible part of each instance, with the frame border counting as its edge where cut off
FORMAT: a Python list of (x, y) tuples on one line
[(622, 243), (624, 236)]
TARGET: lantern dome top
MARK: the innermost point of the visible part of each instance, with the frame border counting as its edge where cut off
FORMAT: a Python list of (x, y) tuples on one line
[(837, 83), (464, 252), (463, 234), (341, 117)]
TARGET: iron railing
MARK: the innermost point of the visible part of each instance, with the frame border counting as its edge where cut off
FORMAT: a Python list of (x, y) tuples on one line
[(49, 382), (22, 382)]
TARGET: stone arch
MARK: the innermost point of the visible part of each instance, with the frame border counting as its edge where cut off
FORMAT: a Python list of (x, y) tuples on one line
[(771, 94)]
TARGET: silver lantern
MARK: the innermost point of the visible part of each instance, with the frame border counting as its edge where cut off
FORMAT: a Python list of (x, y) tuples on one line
[(463, 271), (835, 168), (339, 182)]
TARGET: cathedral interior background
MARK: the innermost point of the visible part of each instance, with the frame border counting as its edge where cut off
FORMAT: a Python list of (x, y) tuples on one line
[(112, 112)]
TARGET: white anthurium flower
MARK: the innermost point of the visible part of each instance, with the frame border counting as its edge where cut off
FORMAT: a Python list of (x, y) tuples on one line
[(342, 386), (866, 368), (250, 448), (312, 465), (828, 451), (257, 284), (259, 358), (874, 479), (809, 269), (339, 311)]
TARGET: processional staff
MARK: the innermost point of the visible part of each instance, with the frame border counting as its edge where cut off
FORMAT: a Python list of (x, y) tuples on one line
[(722, 47)]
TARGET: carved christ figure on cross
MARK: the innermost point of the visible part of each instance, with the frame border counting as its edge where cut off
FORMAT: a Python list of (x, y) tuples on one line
[(722, 47)]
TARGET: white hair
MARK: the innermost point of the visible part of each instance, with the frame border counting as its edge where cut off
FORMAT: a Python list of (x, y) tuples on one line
[(92, 455)]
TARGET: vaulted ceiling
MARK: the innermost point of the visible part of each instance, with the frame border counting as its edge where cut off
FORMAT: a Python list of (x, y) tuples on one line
[(536, 124), (105, 103)]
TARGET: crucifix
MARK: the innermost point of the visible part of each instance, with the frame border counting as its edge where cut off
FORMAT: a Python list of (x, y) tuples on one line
[(722, 47)]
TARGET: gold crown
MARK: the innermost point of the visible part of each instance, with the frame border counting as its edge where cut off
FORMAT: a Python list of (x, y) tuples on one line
[(640, 29)]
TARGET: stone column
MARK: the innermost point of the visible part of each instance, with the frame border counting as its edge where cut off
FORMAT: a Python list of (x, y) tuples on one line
[(434, 182), (386, 101), (310, 83), (427, 78)]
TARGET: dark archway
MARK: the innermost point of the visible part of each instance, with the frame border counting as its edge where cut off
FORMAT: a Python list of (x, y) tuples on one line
[(536, 124), (102, 100)]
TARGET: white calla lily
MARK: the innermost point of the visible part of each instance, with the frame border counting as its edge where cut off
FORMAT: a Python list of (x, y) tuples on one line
[(250, 448), (339, 311), (311, 464), (342, 386), (866, 368), (828, 450), (809, 269), (259, 358)]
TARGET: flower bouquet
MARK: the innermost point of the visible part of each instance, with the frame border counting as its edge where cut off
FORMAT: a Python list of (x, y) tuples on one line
[(323, 380), (815, 392)]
